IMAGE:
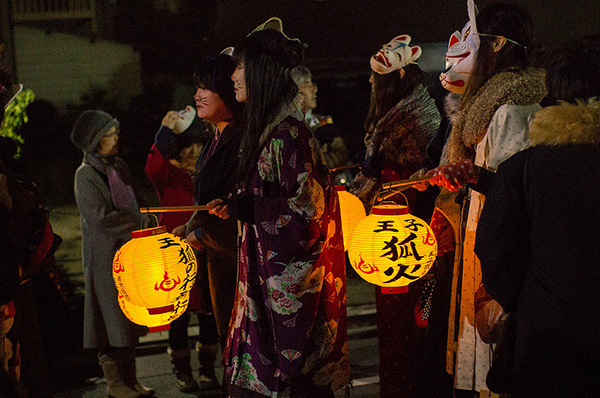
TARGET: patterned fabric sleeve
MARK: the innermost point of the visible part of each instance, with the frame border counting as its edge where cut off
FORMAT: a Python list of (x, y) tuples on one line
[(508, 133), (289, 212)]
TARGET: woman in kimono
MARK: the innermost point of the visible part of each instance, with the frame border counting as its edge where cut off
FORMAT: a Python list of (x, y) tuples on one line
[(105, 196), (489, 65), (287, 336)]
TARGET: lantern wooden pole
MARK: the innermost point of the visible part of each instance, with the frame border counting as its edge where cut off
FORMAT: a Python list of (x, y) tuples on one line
[(350, 166), (170, 209), (404, 184)]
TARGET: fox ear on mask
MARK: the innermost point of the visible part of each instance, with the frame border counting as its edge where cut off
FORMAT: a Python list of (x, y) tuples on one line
[(462, 51)]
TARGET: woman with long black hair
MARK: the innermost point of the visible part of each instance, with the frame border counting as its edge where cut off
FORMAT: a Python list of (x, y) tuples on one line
[(287, 336), (402, 118), (490, 67)]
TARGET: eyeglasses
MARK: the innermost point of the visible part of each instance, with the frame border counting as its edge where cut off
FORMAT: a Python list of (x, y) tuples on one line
[(506, 38), (109, 134)]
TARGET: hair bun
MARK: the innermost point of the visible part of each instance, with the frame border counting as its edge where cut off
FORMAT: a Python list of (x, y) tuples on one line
[(294, 53), (288, 52)]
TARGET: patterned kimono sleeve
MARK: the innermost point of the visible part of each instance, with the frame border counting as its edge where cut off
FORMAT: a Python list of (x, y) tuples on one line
[(289, 210)]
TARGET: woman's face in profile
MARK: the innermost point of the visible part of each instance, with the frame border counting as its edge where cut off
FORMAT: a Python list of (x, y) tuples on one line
[(108, 145), (239, 83), (309, 91), (210, 106)]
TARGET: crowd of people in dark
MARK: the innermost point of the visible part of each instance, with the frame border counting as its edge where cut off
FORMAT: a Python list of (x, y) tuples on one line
[(506, 173)]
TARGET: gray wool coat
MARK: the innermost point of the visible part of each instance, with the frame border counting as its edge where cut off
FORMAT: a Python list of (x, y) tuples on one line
[(104, 230)]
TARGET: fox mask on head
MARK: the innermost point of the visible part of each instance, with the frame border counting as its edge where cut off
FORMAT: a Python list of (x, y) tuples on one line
[(462, 52)]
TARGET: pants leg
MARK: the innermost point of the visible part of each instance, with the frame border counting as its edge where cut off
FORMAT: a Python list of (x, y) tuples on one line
[(208, 329), (178, 333)]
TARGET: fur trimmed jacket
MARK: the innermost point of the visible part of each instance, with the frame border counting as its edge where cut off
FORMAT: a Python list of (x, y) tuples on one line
[(470, 124), (491, 127), (537, 240)]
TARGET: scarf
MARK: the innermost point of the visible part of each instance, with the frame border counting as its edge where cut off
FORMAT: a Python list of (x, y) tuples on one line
[(119, 181), (402, 134), (525, 87)]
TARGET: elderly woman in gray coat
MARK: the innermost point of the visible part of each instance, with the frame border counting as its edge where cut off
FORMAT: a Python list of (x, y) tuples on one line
[(109, 213)]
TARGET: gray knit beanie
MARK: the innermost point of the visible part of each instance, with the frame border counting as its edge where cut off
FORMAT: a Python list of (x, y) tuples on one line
[(90, 127)]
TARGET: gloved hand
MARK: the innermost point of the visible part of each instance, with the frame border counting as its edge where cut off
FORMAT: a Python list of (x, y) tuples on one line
[(453, 176)]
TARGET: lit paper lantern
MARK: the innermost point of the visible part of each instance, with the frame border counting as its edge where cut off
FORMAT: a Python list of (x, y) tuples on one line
[(155, 320), (352, 211), (392, 248), (154, 269)]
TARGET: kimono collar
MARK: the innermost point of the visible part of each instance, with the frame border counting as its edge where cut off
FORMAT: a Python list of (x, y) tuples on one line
[(292, 108)]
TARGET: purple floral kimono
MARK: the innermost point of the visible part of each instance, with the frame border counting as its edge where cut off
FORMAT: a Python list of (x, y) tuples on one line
[(287, 335)]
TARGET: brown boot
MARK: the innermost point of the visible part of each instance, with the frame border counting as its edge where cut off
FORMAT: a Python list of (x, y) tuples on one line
[(207, 355), (180, 359), (129, 372), (115, 383)]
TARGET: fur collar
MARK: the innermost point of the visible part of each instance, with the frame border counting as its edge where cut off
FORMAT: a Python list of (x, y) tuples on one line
[(401, 136), (567, 124), (402, 119), (525, 87), (452, 106)]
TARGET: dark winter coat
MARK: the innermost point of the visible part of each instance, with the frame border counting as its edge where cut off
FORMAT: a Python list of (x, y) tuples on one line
[(537, 240), (215, 178)]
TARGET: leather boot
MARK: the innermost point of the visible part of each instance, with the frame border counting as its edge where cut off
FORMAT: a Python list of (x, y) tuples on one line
[(180, 359), (130, 372), (207, 355), (115, 383)]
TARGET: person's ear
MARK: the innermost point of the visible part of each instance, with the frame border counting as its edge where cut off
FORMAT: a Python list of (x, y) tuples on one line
[(402, 72), (498, 43)]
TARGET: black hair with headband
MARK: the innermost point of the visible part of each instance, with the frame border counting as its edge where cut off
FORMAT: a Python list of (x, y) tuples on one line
[(267, 57)]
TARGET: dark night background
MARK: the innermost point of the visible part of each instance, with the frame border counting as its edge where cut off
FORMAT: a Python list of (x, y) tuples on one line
[(173, 36)]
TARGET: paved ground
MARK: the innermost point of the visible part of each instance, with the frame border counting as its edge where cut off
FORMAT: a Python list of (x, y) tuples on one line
[(79, 376), (154, 368)]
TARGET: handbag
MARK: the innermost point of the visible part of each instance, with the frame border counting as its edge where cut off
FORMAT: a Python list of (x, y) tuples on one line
[(494, 325), (423, 307), (499, 377)]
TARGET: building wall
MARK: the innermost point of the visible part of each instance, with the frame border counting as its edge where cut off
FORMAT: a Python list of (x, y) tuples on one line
[(60, 67)]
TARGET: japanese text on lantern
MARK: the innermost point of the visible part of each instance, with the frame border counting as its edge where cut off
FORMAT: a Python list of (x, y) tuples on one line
[(395, 249), (186, 258)]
